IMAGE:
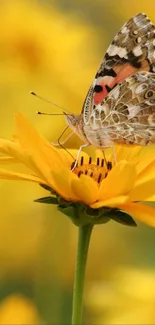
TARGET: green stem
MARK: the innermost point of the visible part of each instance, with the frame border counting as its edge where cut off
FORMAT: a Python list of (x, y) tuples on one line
[(81, 259)]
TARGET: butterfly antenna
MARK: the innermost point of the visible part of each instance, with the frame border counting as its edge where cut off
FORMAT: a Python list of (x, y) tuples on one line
[(49, 102), (44, 113)]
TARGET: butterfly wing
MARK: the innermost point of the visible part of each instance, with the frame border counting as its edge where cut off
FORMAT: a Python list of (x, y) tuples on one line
[(127, 114), (132, 50)]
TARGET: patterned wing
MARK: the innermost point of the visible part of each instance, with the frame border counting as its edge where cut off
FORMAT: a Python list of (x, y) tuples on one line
[(127, 114), (132, 50)]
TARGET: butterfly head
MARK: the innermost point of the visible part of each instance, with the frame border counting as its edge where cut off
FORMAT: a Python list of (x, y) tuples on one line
[(72, 121)]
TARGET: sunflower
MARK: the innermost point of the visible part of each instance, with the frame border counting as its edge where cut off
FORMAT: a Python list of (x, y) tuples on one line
[(96, 190)]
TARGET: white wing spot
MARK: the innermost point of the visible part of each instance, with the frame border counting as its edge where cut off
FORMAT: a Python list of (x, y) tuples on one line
[(133, 111), (137, 51), (139, 39), (140, 88), (122, 52), (113, 50), (124, 30), (116, 93), (99, 108), (116, 50)]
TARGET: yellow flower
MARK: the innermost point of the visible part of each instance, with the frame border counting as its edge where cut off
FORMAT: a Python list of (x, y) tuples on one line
[(92, 184), (17, 309), (130, 297)]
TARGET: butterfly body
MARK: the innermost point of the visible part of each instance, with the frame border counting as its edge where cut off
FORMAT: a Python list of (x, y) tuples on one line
[(120, 104)]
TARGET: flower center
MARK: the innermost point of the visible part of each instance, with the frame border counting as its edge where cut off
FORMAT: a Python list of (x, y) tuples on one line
[(97, 171)]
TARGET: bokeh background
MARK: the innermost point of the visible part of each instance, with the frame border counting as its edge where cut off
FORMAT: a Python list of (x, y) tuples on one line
[(54, 48)]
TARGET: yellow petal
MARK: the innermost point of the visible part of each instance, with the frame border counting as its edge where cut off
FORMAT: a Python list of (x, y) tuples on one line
[(85, 188), (112, 202), (142, 212), (126, 152), (8, 160), (119, 181), (68, 156), (151, 198), (146, 162), (16, 152), (38, 152), (31, 141), (146, 175), (143, 189), (12, 149), (5, 174), (42, 170), (62, 184)]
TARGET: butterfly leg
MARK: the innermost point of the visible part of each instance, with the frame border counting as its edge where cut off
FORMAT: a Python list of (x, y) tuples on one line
[(78, 154), (105, 158), (63, 142), (114, 155), (60, 143)]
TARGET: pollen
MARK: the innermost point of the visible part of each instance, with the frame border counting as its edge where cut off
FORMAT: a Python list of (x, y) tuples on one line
[(98, 171)]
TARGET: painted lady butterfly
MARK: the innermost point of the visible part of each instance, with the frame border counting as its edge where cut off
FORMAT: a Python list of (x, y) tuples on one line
[(120, 104)]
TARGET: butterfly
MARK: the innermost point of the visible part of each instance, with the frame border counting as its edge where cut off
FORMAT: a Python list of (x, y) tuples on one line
[(120, 105)]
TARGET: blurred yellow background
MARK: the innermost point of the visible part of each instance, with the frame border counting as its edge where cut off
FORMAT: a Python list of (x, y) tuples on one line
[(54, 48)]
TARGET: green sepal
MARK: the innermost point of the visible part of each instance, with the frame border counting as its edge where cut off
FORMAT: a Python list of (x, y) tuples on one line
[(47, 200), (81, 214), (122, 217), (48, 188), (100, 215), (70, 211)]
